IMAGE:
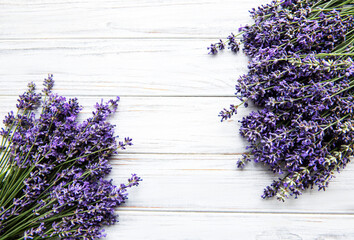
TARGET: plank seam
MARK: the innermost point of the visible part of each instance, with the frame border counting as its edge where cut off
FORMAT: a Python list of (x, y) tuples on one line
[(215, 38), (132, 209)]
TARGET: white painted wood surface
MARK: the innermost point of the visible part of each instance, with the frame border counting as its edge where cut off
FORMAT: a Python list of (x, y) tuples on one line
[(153, 54)]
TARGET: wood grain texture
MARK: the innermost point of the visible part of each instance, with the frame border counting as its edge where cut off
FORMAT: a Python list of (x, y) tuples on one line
[(212, 183), (229, 226), (130, 67), (122, 19)]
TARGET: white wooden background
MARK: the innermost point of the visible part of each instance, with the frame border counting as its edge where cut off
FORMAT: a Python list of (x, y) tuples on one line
[(153, 54)]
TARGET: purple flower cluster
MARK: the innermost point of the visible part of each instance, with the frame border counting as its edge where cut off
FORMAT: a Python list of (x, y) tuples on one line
[(231, 42), (301, 75), (53, 169)]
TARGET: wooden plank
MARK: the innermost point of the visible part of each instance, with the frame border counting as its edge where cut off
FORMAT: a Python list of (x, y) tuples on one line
[(169, 124), (121, 67), (134, 18), (172, 225), (212, 183)]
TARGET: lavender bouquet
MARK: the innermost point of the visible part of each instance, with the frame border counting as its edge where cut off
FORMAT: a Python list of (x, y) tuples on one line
[(301, 75), (53, 169)]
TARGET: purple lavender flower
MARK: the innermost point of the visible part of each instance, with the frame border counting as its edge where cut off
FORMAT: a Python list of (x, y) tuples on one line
[(301, 75), (57, 168)]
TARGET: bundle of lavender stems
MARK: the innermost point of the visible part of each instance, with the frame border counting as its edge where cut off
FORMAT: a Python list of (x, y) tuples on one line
[(53, 169), (301, 77)]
